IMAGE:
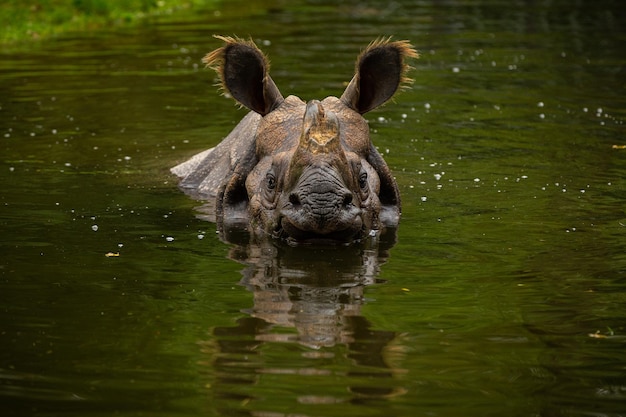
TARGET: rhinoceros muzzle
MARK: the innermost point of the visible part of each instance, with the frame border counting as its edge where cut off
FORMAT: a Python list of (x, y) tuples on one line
[(321, 215)]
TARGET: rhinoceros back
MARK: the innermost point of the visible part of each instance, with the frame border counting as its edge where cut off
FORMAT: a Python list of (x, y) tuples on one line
[(205, 174)]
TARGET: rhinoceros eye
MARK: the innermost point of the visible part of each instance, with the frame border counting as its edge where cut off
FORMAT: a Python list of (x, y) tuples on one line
[(270, 181), (363, 180)]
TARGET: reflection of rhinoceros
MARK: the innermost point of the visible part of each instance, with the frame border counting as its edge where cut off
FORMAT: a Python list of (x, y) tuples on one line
[(317, 290), (295, 170)]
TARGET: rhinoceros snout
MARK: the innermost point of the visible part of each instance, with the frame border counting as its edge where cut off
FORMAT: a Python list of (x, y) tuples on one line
[(344, 198), (326, 215)]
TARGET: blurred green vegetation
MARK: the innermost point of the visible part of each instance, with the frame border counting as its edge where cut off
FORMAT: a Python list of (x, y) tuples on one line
[(24, 20)]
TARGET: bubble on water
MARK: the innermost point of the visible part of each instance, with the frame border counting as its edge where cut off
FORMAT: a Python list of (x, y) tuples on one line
[(476, 179), (423, 198), (542, 116), (437, 176), (427, 106), (456, 70), (200, 236), (94, 227), (540, 104), (169, 238)]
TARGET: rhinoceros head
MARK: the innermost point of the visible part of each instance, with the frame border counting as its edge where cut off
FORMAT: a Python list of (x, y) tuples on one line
[(301, 171)]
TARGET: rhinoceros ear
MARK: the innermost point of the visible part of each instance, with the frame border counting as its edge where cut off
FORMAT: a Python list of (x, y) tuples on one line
[(380, 70), (244, 72)]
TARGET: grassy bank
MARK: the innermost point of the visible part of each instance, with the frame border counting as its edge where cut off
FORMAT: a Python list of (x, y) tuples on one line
[(27, 20)]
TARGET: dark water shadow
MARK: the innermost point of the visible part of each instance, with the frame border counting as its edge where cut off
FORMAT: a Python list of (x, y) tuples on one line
[(308, 300)]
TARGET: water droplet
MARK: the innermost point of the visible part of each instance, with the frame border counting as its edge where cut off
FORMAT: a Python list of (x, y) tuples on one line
[(94, 227)]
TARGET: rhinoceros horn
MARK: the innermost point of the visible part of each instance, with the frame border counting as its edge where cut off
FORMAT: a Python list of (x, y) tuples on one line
[(320, 130)]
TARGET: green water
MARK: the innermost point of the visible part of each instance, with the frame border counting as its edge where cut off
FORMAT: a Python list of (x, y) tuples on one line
[(504, 293)]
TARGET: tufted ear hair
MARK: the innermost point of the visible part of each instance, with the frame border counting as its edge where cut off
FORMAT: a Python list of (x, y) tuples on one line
[(380, 71), (244, 73)]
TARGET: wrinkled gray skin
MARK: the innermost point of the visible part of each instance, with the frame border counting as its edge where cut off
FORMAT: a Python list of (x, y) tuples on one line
[(304, 172)]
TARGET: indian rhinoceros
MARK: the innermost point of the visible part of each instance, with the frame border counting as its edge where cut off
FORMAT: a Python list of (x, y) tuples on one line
[(295, 170)]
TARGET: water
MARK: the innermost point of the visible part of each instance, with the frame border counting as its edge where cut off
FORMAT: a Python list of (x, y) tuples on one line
[(503, 292)]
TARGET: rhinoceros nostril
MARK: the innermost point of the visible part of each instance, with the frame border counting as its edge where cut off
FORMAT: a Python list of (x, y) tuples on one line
[(294, 199), (347, 199)]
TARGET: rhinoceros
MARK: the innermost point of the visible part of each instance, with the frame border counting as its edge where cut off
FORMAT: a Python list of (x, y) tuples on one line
[(300, 171)]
